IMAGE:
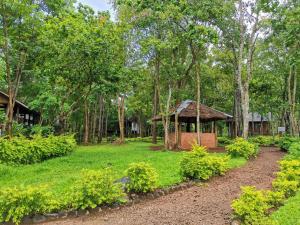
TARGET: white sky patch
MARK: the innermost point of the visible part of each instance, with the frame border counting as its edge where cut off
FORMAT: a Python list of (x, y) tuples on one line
[(99, 5)]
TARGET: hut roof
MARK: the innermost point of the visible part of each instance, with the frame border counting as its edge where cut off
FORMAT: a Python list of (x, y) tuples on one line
[(4, 98), (187, 112)]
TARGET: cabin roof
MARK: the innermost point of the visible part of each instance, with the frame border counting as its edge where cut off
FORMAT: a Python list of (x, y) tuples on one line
[(187, 112)]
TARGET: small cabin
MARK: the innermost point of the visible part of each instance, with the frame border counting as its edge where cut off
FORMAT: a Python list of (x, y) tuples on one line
[(186, 113), (22, 113)]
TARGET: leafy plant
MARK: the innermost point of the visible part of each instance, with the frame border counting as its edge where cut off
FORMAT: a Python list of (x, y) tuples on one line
[(222, 141), (142, 178), (17, 202), (242, 148), (294, 150), (198, 164), (264, 140), (286, 142), (95, 188), (252, 206), (22, 150)]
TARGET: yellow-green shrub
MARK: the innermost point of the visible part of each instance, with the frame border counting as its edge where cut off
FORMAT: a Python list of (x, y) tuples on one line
[(22, 150), (252, 207), (288, 179), (242, 148), (17, 202), (95, 188), (286, 142), (142, 178), (198, 164)]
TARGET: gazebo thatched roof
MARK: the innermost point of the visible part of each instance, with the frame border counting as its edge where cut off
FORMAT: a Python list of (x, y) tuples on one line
[(187, 113)]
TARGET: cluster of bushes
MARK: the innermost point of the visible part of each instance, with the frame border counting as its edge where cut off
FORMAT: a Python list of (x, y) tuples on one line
[(92, 189), (254, 206), (22, 150), (265, 140), (287, 141), (142, 139), (242, 148), (222, 141), (198, 164)]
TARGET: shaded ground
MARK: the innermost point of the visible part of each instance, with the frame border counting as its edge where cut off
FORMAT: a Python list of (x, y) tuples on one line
[(204, 205)]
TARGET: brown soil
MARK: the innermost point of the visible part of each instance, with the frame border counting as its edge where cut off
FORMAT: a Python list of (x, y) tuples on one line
[(206, 204)]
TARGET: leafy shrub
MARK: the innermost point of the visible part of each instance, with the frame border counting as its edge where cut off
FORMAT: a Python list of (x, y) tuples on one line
[(95, 188), (242, 148), (21, 150), (288, 179), (142, 178), (252, 206), (142, 139), (198, 164), (17, 202), (264, 140), (287, 187), (222, 141), (41, 130), (286, 142), (294, 150)]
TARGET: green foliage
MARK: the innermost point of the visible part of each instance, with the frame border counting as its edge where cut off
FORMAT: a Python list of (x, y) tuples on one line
[(286, 142), (252, 206), (242, 148), (17, 202), (294, 150), (95, 188), (41, 130), (142, 178), (198, 164), (264, 140), (21, 150), (288, 179), (142, 139), (222, 141)]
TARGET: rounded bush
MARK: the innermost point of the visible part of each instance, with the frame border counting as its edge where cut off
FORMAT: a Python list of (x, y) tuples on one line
[(198, 164), (242, 148), (95, 188), (142, 178)]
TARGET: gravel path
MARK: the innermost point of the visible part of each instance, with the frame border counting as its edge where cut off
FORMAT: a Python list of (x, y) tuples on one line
[(201, 205)]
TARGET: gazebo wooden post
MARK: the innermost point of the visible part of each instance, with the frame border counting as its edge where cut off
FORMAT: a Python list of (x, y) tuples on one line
[(176, 131)]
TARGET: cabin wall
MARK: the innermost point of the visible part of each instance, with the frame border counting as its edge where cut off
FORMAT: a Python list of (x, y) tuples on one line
[(187, 139)]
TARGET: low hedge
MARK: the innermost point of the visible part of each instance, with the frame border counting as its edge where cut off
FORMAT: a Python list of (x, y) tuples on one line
[(243, 148), (285, 142), (17, 202), (198, 164), (22, 150), (265, 140)]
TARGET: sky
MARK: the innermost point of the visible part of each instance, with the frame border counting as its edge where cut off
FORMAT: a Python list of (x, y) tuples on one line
[(98, 5)]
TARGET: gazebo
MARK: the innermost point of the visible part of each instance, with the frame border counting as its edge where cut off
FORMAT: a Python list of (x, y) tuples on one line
[(186, 113)]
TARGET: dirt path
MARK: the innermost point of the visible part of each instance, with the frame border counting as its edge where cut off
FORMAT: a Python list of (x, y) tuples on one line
[(208, 204)]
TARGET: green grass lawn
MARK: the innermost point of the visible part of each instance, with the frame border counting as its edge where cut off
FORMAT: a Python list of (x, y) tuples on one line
[(59, 173), (289, 214)]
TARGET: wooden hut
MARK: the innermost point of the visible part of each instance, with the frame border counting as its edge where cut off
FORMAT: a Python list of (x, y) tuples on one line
[(186, 113), (22, 113)]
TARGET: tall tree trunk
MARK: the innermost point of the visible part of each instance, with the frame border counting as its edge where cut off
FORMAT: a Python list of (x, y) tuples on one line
[(121, 112), (86, 122), (198, 104), (155, 99)]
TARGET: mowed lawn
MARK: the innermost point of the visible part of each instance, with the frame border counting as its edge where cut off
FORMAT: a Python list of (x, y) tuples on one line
[(60, 173)]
